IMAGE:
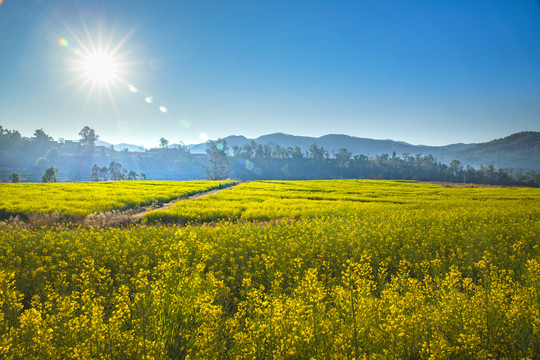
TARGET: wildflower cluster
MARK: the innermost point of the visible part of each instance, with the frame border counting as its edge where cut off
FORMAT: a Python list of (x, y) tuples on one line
[(76, 200), (426, 272)]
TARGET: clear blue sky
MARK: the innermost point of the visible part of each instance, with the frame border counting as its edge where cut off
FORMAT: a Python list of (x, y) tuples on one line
[(424, 72)]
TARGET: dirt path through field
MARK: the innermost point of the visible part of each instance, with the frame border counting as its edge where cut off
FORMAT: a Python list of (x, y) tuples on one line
[(133, 216)]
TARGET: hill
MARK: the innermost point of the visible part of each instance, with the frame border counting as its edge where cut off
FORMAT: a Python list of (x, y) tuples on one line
[(333, 142), (520, 150)]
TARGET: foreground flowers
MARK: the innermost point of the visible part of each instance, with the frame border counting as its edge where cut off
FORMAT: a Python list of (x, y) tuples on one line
[(437, 274)]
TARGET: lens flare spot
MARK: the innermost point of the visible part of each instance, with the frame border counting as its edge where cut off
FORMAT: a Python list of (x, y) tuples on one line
[(203, 136), (185, 123), (1, 1), (149, 99), (133, 89), (62, 42), (219, 146), (249, 165), (163, 109)]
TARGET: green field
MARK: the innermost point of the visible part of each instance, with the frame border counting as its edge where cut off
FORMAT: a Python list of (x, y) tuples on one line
[(284, 270)]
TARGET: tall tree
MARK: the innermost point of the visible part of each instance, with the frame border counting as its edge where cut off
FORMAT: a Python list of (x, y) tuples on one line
[(219, 162), (117, 171), (41, 136), (343, 157), (132, 175), (95, 173), (163, 143), (104, 173), (88, 138), (317, 154)]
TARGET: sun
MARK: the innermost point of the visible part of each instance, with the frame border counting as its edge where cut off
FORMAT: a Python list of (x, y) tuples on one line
[(100, 67), (98, 60)]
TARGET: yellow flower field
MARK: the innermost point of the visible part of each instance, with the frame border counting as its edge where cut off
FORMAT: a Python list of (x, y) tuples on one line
[(344, 270), (76, 200)]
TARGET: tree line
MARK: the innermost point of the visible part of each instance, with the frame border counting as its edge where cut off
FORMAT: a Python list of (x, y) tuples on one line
[(251, 161), (256, 161), (115, 171)]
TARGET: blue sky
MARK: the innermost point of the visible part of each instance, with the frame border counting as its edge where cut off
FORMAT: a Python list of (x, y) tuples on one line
[(424, 72)]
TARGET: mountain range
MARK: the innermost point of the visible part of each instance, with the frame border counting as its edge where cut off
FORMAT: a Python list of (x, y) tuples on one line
[(520, 150)]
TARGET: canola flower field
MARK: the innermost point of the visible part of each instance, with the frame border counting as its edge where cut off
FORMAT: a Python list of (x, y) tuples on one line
[(77, 200), (354, 270)]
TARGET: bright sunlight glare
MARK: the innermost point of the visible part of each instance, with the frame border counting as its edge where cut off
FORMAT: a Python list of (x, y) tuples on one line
[(100, 67)]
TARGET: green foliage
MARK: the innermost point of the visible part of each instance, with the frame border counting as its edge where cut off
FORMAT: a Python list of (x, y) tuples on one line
[(41, 136), (14, 177), (163, 143), (88, 138), (50, 175)]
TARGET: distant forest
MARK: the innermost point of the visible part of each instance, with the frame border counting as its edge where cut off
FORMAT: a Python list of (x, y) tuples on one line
[(29, 159)]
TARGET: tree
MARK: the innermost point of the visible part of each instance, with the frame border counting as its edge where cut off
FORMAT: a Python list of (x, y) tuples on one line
[(295, 153), (104, 173), (163, 143), (132, 175), (88, 138), (41, 136), (95, 173), (14, 177), (455, 168), (50, 175), (117, 171), (343, 157), (317, 154), (219, 162)]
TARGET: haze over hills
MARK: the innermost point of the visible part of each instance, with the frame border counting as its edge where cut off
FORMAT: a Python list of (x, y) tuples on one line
[(280, 156), (520, 150), (333, 142)]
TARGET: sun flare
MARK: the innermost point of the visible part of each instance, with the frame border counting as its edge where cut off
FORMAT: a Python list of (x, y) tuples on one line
[(100, 67), (98, 60)]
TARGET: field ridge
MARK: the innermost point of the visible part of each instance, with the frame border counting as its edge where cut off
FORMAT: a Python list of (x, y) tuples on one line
[(133, 216)]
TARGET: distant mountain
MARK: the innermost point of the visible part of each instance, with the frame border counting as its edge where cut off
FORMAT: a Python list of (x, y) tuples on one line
[(520, 150), (231, 141), (122, 146), (332, 143)]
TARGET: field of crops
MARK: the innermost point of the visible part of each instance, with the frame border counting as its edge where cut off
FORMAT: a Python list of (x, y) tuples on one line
[(76, 200), (293, 270), (269, 200)]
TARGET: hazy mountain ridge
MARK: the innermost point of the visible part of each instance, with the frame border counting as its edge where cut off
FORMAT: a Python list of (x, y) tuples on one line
[(519, 150), (333, 142)]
